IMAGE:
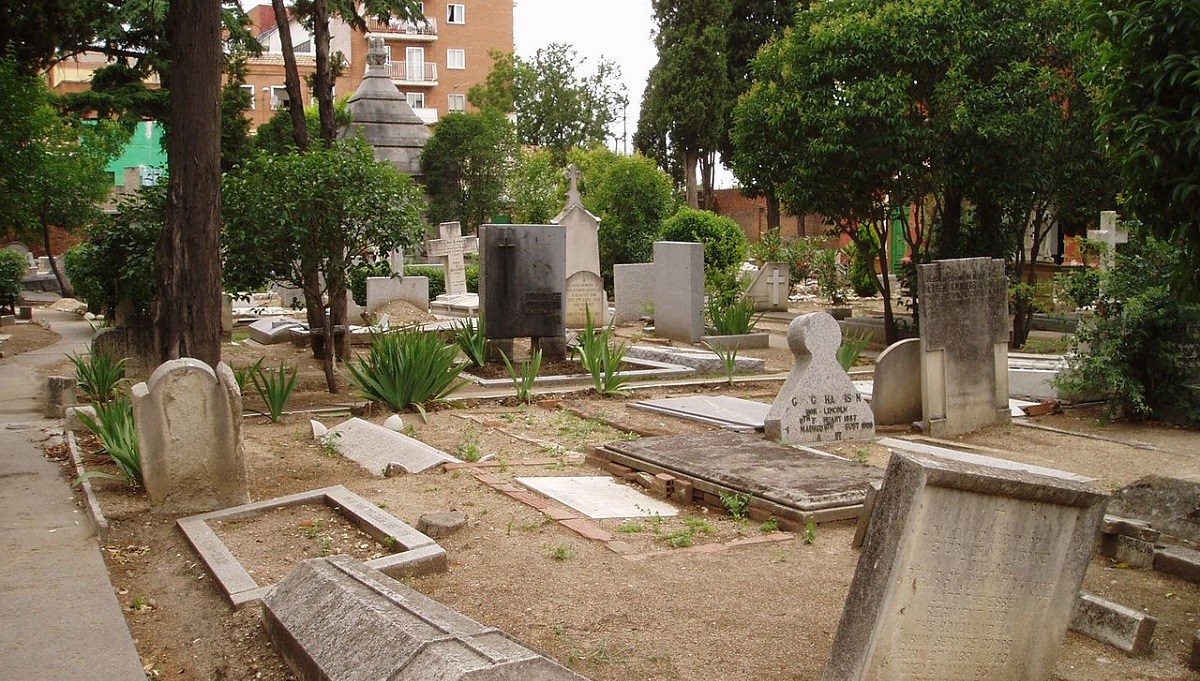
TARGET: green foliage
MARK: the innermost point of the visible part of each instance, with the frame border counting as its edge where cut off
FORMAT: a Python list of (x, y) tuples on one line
[(1080, 284), (114, 426), (830, 275), (406, 369), (274, 386), (360, 272), (724, 242), (533, 187), (472, 340), (117, 261), (13, 266), (737, 504), (1140, 349), (601, 358), (236, 145), (98, 375), (800, 254), (852, 346), (523, 379), (437, 277), (731, 319), (728, 356), (862, 270), (275, 137), (810, 533), (466, 164)]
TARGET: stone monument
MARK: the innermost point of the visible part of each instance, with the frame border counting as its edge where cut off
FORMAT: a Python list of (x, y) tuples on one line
[(521, 287), (964, 345), (679, 290), (818, 402), (1110, 235), (189, 425), (585, 287), (770, 288), (451, 249), (380, 114)]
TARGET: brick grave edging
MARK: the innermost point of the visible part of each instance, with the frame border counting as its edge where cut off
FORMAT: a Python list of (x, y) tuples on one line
[(419, 554)]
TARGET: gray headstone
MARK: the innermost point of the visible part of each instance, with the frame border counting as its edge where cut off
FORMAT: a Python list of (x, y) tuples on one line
[(226, 316), (967, 571), (586, 297), (380, 114), (450, 249), (1169, 504), (336, 619), (290, 297), (521, 280), (896, 398), (818, 402), (383, 290), (633, 287), (382, 450), (272, 330), (770, 288), (964, 345), (189, 425), (679, 290)]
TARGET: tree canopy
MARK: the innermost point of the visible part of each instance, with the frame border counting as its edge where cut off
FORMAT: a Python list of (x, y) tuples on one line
[(466, 165)]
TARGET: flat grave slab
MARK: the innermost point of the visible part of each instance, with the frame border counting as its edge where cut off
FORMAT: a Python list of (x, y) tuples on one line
[(795, 484), (599, 497), (703, 361), (415, 553), (978, 459), (381, 450), (646, 368), (731, 413)]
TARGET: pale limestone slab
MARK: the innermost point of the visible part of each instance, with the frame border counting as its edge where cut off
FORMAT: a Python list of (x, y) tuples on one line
[(270, 331), (979, 459), (770, 288), (599, 497), (703, 361), (1118, 625), (633, 288), (383, 290), (896, 394), (382, 450), (451, 248), (586, 299), (731, 413)]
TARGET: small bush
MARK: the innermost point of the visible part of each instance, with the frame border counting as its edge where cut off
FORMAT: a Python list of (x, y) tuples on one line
[(13, 266), (862, 272), (407, 369), (98, 375), (830, 276), (472, 340), (274, 386), (1081, 285), (523, 379), (851, 347), (114, 426), (724, 242), (731, 319), (601, 358)]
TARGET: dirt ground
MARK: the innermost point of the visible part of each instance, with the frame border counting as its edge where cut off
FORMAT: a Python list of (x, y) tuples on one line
[(764, 610), (24, 337)]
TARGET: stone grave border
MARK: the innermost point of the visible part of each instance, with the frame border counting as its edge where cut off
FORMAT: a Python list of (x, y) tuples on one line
[(418, 555), (95, 512), (653, 369), (755, 340)]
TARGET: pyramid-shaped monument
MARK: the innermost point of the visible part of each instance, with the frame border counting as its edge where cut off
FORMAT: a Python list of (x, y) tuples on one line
[(380, 114)]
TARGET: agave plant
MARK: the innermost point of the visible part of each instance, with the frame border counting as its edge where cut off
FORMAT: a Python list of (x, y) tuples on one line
[(851, 347), (472, 340), (98, 375), (407, 369), (732, 319), (274, 386), (523, 379), (113, 424)]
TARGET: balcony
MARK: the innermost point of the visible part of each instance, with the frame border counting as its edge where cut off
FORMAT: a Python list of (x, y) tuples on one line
[(403, 30), (414, 73)]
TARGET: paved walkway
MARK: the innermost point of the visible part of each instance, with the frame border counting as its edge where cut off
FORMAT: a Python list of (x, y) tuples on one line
[(61, 617)]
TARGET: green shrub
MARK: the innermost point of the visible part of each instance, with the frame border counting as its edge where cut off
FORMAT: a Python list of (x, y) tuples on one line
[(862, 272), (407, 369), (114, 426), (117, 260), (830, 276), (799, 256), (274, 386), (731, 319), (359, 274), (472, 340), (437, 277), (98, 375), (523, 379), (13, 266), (724, 242), (1081, 285)]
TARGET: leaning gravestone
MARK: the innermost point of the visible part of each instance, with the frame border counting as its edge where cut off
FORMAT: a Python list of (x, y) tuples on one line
[(585, 288), (896, 393), (521, 286), (818, 402), (189, 426), (679, 290), (967, 571), (770, 288), (964, 345), (336, 619)]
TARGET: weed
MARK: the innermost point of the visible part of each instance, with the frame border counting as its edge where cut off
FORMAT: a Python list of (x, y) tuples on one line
[(631, 528), (326, 545), (390, 543), (329, 443), (728, 357), (701, 525), (98, 375), (769, 525), (274, 386), (810, 533), (562, 552), (737, 504), (410, 430), (312, 529), (139, 603), (523, 379), (680, 540), (468, 449), (861, 455)]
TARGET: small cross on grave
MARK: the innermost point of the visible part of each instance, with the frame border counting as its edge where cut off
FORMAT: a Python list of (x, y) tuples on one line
[(775, 278), (506, 247), (573, 176), (1110, 235), (451, 248)]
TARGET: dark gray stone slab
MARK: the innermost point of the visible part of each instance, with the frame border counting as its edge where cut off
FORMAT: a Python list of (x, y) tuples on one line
[(1117, 625), (334, 618), (787, 476), (1170, 505), (522, 280)]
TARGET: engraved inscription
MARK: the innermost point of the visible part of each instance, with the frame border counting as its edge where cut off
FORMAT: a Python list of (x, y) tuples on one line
[(543, 303), (828, 416)]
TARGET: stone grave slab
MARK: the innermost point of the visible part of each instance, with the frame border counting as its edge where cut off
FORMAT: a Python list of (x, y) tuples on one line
[(599, 496), (586, 296), (979, 459), (703, 361), (1118, 625), (964, 345), (1170, 505), (896, 393), (678, 290), (522, 284), (415, 553), (383, 451), (270, 331), (771, 286), (795, 484), (462, 305), (818, 402), (633, 288), (967, 571), (336, 619), (383, 290), (731, 413)]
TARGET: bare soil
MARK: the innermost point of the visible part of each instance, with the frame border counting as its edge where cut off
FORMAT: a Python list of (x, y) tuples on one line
[(666, 611), (24, 337)]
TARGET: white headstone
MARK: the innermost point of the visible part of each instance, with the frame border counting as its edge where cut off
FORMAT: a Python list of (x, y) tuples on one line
[(818, 402), (383, 290), (379, 449), (771, 287), (451, 248), (679, 290), (1110, 235), (896, 395)]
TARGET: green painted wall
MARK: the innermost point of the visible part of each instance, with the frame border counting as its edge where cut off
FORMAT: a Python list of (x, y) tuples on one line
[(143, 149)]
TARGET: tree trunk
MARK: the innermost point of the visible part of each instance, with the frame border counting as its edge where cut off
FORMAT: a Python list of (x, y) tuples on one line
[(949, 236), (323, 79), (63, 285), (890, 333), (773, 211), (690, 158), (187, 318), (291, 76)]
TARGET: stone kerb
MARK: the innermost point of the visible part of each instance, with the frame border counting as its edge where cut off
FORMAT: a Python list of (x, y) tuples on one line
[(967, 571), (189, 425), (818, 402)]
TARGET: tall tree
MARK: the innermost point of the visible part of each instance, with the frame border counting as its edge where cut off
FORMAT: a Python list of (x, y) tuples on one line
[(688, 91), (466, 163)]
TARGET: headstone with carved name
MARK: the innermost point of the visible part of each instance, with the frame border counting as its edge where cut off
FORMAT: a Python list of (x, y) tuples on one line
[(450, 249), (585, 288), (521, 287)]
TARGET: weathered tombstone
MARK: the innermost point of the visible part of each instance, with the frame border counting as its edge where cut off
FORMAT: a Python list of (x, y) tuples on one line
[(1110, 235), (226, 316), (679, 290), (380, 114), (383, 290), (290, 297), (521, 286), (967, 571), (818, 402), (896, 396), (272, 330), (336, 619), (60, 395), (382, 450), (585, 287), (189, 425), (451, 248), (633, 287), (964, 345), (770, 288)]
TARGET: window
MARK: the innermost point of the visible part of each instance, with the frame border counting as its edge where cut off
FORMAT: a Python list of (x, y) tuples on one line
[(456, 59), (414, 69), (415, 99), (305, 47), (456, 14), (249, 89), (278, 96), (458, 102)]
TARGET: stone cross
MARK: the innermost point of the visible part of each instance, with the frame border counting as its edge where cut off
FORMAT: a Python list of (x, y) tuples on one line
[(396, 261), (1110, 235), (573, 176), (451, 248), (775, 278)]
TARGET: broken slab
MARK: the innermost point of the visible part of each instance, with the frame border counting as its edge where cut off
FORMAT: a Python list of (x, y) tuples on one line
[(703, 361), (1168, 504), (441, 523), (415, 553), (383, 451), (271, 331), (978, 459), (599, 497), (1179, 561), (334, 619), (1115, 624), (731, 413)]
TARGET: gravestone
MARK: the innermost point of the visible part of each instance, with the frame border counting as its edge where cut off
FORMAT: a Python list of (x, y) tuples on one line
[(679, 290), (383, 290), (382, 450), (967, 571), (585, 287), (189, 426), (336, 619), (1110, 235), (896, 397), (290, 297), (272, 330), (818, 402), (60, 395), (770, 288), (226, 316), (450, 249), (633, 287), (964, 345), (521, 286)]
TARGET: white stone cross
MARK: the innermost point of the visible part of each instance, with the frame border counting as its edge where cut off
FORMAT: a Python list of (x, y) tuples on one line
[(573, 176), (451, 248), (775, 278), (1110, 235)]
